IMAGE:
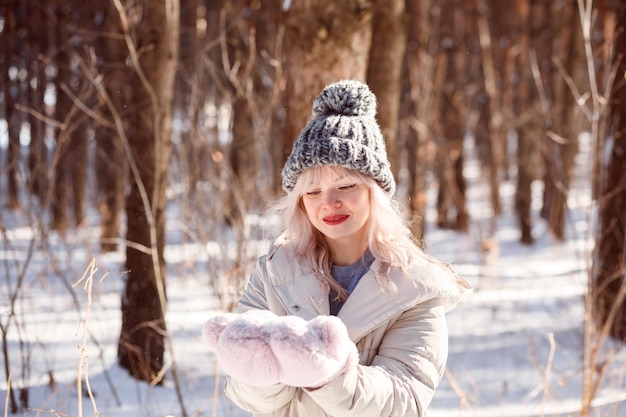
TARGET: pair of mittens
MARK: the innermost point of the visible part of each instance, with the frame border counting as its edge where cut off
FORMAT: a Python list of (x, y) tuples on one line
[(260, 348)]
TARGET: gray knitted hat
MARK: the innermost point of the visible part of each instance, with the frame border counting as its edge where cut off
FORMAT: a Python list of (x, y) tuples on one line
[(342, 131)]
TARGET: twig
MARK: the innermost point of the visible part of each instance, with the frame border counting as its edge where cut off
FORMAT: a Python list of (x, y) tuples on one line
[(216, 390), (83, 358), (6, 397), (15, 292), (594, 342), (41, 117), (546, 380), (51, 411), (85, 108), (465, 402)]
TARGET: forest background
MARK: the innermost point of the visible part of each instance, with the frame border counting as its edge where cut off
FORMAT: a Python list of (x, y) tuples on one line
[(122, 107)]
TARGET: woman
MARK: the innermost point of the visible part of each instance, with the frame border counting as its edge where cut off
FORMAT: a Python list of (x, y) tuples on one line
[(344, 251)]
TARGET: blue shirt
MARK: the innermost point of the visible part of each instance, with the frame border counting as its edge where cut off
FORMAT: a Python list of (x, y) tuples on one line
[(348, 276)]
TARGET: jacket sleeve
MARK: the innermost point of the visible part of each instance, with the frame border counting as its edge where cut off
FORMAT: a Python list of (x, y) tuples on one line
[(403, 375), (256, 399)]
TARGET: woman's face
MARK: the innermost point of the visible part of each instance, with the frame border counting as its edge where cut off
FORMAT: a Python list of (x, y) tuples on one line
[(339, 207)]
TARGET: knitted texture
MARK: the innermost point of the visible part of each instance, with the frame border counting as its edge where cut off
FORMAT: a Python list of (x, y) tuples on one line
[(342, 131)]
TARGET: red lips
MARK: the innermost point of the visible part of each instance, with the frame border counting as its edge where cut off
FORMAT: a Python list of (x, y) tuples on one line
[(335, 219)]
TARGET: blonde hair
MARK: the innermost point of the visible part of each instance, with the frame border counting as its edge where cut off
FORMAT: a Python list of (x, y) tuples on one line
[(388, 235)]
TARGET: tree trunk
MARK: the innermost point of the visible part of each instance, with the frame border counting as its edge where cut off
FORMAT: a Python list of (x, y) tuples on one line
[(142, 344), (77, 154), (326, 41), (58, 196), (269, 31), (522, 104), (492, 27), (417, 17), (188, 92), (242, 161), (609, 256), (37, 48), (251, 108), (545, 46), (110, 164), (542, 48), (6, 11), (504, 24), (10, 98), (271, 39), (561, 147), (451, 207), (417, 98), (603, 32), (85, 13), (385, 69)]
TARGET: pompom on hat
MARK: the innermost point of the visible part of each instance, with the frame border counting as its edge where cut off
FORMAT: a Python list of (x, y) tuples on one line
[(343, 132)]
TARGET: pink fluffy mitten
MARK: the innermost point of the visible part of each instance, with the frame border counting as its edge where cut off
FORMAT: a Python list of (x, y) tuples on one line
[(241, 345), (260, 348)]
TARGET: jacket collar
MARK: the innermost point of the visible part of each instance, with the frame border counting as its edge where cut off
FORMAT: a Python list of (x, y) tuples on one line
[(371, 303)]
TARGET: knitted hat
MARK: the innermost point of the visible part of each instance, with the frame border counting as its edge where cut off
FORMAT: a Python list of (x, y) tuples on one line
[(342, 131)]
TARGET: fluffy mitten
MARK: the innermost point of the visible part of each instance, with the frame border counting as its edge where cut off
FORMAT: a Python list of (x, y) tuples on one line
[(312, 353), (241, 344), (260, 348)]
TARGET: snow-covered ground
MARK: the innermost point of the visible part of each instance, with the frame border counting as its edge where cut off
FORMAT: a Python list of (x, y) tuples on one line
[(515, 344)]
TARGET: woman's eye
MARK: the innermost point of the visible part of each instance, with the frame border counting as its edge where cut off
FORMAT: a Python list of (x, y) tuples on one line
[(312, 193), (347, 187)]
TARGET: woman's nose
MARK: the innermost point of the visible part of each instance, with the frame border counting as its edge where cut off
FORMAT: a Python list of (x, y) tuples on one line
[(332, 200)]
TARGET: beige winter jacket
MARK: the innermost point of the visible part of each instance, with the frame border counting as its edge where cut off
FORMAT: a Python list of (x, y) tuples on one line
[(401, 336)]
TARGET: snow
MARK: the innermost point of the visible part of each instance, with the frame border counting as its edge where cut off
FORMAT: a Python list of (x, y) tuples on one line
[(515, 344)]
